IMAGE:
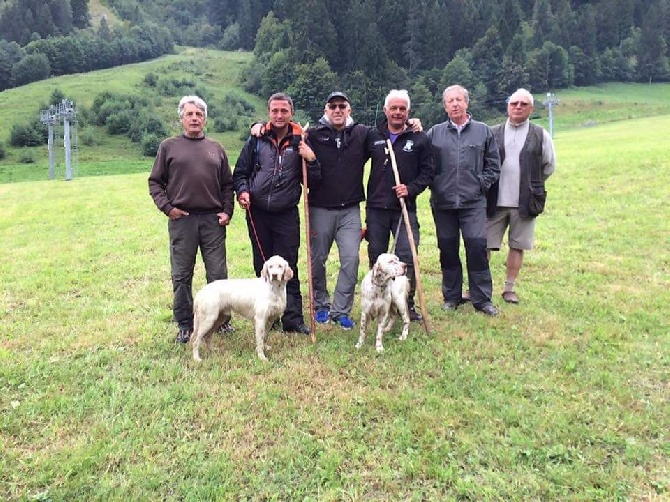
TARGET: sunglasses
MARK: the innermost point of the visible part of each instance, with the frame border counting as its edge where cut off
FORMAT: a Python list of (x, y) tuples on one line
[(334, 106), (519, 103)]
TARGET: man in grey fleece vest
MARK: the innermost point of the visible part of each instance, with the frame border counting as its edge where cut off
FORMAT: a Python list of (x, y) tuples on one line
[(527, 160)]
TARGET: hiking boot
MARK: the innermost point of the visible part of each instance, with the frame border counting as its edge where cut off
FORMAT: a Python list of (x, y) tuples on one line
[(414, 316), (298, 329), (487, 309)]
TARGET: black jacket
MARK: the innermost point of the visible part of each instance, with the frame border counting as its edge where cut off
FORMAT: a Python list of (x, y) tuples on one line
[(414, 159), (342, 156), (271, 172)]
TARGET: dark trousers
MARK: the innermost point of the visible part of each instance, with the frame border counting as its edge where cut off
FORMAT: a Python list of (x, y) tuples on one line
[(187, 234), (381, 224), (278, 233), (471, 223)]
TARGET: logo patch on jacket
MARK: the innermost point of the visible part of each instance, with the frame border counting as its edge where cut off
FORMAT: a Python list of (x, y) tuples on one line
[(408, 146)]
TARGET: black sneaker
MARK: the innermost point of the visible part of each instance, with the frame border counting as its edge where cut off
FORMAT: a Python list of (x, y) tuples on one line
[(487, 309), (184, 335), (414, 316), (298, 329)]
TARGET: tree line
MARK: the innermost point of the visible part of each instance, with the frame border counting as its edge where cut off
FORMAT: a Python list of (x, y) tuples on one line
[(306, 47), (366, 47), (44, 38)]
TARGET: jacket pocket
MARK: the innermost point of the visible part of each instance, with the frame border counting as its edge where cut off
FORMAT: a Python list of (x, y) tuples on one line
[(536, 201)]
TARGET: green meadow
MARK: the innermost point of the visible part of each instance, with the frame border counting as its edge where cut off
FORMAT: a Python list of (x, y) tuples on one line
[(565, 396)]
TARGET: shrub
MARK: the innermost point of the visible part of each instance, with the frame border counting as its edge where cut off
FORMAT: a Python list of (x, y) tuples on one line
[(87, 137), (224, 124), (154, 125), (3, 154), (150, 145), (151, 79), (33, 133), (119, 123), (26, 157)]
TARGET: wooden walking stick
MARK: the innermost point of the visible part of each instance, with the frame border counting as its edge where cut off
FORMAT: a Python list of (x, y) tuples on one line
[(410, 238), (305, 203)]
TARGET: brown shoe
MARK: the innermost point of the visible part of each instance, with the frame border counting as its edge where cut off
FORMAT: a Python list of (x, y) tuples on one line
[(510, 297)]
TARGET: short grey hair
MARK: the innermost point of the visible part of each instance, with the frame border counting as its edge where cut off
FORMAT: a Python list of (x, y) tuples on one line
[(196, 100), (463, 90), (397, 94), (522, 92)]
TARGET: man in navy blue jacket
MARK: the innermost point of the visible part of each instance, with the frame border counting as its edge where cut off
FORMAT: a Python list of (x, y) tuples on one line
[(414, 158)]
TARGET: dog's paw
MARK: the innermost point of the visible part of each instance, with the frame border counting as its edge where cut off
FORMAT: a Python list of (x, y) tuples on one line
[(379, 348), (359, 345), (196, 357), (403, 336), (262, 358)]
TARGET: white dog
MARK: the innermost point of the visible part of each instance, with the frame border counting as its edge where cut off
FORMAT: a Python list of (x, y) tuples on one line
[(384, 293), (262, 300)]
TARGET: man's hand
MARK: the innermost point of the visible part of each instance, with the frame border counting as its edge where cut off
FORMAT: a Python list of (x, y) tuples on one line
[(224, 219), (415, 124), (401, 191), (258, 130), (176, 213), (244, 201), (306, 152)]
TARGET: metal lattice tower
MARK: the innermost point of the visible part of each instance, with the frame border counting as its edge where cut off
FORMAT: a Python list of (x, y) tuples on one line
[(65, 111), (550, 102)]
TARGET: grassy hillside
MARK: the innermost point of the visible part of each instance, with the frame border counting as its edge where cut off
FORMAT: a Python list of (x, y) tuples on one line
[(218, 73), (563, 397)]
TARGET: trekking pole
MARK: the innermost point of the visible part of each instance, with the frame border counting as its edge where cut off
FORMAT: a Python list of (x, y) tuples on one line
[(305, 203), (410, 238)]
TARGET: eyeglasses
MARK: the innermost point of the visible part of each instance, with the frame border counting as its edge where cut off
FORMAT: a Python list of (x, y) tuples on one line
[(334, 106), (523, 104)]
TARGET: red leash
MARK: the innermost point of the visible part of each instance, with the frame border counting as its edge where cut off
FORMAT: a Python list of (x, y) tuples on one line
[(253, 228)]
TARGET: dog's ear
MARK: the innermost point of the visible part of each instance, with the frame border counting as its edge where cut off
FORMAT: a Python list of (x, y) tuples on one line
[(264, 272), (288, 273), (377, 273)]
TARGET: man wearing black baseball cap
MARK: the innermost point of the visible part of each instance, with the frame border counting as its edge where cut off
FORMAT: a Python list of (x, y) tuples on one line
[(342, 147)]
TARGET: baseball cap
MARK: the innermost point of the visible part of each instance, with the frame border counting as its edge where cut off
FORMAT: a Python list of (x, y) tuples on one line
[(337, 94)]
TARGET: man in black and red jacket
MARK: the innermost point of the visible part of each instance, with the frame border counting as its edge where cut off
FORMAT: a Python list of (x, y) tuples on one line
[(267, 180)]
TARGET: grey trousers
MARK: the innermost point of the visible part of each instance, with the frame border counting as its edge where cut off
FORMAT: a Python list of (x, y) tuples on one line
[(342, 226), (187, 234)]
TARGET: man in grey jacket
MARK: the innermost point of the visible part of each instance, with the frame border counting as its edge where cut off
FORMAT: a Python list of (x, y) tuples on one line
[(467, 163), (527, 156)]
